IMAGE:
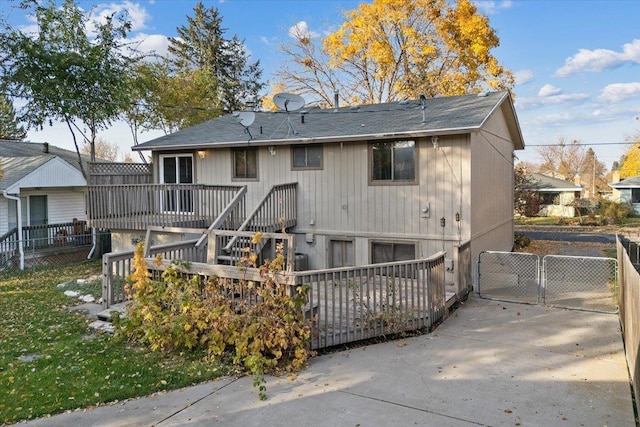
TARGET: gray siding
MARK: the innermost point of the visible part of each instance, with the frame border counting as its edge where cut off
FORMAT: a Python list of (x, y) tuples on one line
[(492, 187), (339, 201)]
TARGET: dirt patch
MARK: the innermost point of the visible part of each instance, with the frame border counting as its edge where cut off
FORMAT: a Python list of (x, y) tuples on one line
[(552, 247)]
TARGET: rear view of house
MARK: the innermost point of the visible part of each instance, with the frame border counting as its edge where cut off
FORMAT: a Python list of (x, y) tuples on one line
[(353, 185)]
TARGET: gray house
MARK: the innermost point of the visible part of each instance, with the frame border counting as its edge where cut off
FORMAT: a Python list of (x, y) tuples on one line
[(627, 190), (353, 185)]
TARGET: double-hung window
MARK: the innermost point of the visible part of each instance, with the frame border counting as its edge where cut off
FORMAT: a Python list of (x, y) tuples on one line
[(393, 162)]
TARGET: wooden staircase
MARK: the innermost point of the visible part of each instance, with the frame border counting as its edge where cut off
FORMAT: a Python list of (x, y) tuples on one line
[(276, 212)]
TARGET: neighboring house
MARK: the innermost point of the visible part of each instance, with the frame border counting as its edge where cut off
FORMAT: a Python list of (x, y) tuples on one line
[(557, 195), (42, 192), (354, 185), (627, 190)]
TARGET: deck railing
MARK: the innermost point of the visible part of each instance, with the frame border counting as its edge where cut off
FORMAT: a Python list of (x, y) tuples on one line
[(277, 210), (344, 304), (61, 234), (134, 206), (9, 246), (355, 303), (117, 266)]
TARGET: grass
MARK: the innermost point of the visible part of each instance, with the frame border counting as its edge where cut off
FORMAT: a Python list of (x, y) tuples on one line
[(52, 361)]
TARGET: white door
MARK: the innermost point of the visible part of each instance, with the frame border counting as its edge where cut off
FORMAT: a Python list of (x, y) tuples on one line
[(177, 169)]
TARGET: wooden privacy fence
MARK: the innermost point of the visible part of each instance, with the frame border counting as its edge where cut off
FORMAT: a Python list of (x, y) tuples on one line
[(629, 306)]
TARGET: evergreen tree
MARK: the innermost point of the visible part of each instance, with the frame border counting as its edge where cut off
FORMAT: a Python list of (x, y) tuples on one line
[(202, 46), (9, 126)]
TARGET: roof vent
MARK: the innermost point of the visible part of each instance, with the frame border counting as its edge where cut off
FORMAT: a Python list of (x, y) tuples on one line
[(483, 94), (45, 147)]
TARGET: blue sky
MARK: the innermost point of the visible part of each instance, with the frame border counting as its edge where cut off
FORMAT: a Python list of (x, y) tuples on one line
[(577, 63)]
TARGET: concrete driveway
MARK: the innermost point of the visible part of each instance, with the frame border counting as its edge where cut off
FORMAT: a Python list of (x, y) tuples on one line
[(490, 363)]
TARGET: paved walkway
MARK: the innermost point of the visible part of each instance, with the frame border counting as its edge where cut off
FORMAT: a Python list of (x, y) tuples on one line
[(490, 363)]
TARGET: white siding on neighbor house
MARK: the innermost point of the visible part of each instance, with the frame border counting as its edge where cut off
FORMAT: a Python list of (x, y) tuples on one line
[(4, 215), (63, 205), (338, 200), (492, 187)]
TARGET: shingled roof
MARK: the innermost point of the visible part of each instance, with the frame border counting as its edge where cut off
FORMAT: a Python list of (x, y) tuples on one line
[(631, 182), (548, 183), (18, 159), (433, 116)]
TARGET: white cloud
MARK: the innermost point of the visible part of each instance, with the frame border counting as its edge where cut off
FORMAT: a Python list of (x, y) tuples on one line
[(600, 59), (553, 96), (301, 30), (149, 44), (619, 91), (136, 13), (549, 90), (523, 76), (493, 7)]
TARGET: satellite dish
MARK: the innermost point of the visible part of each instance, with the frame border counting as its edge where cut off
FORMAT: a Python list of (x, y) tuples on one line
[(288, 101), (246, 118)]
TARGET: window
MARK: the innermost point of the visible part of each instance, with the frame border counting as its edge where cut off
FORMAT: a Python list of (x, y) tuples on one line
[(341, 253), (635, 195), (245, 163), (390, 251), (393, 161), (550, 198), (307, 157)]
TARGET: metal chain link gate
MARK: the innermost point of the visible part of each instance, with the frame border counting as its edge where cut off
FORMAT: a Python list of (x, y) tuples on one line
[(573, 282)]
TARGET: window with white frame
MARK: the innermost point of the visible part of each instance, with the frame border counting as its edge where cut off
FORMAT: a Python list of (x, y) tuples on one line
[(177, 169)]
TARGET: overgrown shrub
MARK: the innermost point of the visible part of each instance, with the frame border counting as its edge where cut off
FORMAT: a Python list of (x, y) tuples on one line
[(613, 212), (520, 241), (259, 325)]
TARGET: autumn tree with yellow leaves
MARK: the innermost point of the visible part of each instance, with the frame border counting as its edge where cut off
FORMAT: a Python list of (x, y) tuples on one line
[(389, 50), (630, 162)]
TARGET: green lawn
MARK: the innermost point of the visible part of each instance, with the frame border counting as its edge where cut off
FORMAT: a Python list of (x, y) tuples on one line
[(51, 361)]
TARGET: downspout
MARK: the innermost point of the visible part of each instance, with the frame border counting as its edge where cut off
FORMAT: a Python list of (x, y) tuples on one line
[(19, 208), (94, 242)]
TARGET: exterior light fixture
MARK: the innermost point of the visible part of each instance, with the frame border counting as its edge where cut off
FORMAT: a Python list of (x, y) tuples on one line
[(201, 153)]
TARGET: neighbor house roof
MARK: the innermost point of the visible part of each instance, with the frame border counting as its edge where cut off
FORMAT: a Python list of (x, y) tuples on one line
[(432, 116), (20, 159), (548, 183), (631, 182)]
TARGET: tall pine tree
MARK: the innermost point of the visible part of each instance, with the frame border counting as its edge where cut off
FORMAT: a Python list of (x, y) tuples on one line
[(9, 126), (201, 45)]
